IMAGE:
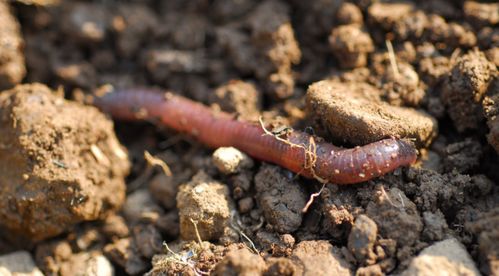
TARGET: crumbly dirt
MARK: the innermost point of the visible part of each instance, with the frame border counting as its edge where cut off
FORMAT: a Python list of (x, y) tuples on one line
[(350, 72)]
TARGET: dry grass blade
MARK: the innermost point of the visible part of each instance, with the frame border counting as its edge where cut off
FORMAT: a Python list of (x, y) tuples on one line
[(151, 160)]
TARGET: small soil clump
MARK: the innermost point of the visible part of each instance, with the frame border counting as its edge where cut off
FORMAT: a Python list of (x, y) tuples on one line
[(481, 14), (319, 258), (355, 113), (61, 163), (362, 238), (238, 97), (240, 262), (280, 198), (12, 68), (448, 256), (464, 89), (351, 45), (204, 207), (491, 109)]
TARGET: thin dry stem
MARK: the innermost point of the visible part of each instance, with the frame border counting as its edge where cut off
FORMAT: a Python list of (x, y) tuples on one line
[(312, 197), (154, 161), (393, 59), (200, 241), (240, 232)]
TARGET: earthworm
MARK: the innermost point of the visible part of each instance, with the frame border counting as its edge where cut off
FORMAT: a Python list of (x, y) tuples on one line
[(297, 151)]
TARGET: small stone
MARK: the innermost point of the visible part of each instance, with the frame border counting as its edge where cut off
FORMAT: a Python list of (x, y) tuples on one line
[(362, 238), (19, 263), (447, 257), (205, 203), (230, 160)]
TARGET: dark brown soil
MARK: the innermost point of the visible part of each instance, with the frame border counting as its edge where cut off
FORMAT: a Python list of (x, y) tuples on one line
[(350, 72)]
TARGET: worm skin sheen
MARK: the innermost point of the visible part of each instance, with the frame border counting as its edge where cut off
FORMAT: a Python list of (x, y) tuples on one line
[(313, 158)]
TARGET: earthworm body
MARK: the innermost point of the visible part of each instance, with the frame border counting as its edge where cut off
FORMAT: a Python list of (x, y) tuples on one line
[(296, 151)]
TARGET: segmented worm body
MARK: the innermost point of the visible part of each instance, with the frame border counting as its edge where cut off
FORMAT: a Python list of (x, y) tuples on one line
[(297, 151)]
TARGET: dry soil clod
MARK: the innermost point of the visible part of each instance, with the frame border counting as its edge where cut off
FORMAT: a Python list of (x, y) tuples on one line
[(465, 87), (12, 68), (448, 256), (51, 180), (207, 202), (350, 45), (355, 113)]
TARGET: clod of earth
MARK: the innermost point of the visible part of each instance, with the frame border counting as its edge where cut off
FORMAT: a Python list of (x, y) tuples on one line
[(355, 113), (60, 162), (446, 257), (465, 87), (12, 68), (319, 258), (204, 208)]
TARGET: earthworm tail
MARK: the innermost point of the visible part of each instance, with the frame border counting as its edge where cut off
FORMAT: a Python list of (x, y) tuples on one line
[(297, 151)]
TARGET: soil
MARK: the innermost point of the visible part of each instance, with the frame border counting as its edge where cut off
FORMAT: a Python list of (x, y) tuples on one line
[(78, 195)]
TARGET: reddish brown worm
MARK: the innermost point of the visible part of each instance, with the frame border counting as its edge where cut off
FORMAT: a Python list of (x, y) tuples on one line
[(297, 151)]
